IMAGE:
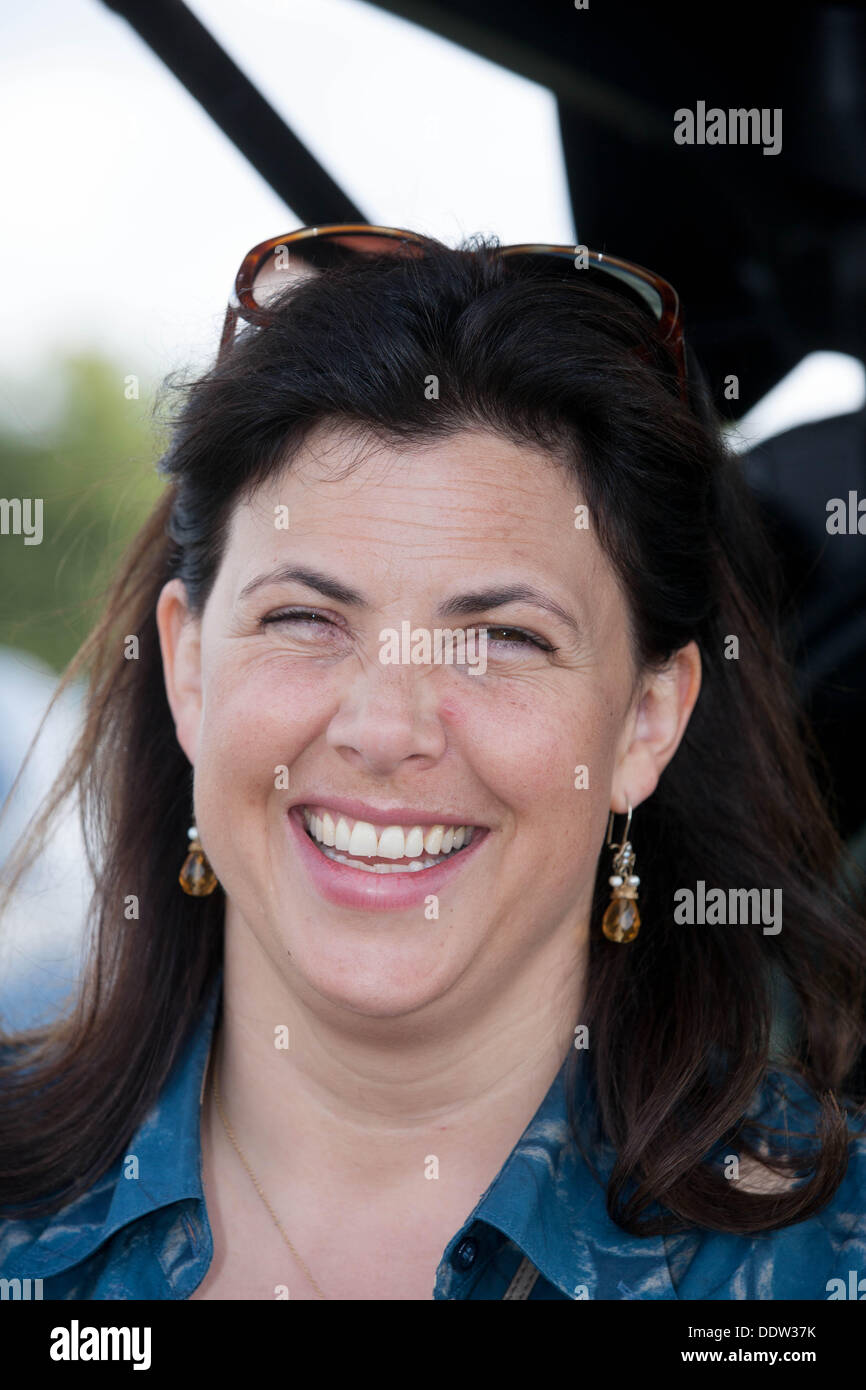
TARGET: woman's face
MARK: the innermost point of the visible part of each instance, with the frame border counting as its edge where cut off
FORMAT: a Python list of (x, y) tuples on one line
[(285, 703)]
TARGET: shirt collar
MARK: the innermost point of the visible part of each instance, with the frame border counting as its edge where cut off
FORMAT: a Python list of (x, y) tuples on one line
[(550, 1203)]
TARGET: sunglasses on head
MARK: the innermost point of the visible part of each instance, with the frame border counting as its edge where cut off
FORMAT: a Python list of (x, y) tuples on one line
[(268, 267)]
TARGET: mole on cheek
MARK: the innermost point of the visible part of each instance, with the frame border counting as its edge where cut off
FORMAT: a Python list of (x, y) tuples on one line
[(452, 711)]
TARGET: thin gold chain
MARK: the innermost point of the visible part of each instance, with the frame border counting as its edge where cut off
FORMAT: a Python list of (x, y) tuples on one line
[(258, 1187)]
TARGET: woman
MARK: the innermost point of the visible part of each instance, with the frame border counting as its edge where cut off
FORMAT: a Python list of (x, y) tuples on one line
[(507, 869)]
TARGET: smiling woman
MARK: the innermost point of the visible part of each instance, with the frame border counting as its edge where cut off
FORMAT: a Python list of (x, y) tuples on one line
[(389, 1035)]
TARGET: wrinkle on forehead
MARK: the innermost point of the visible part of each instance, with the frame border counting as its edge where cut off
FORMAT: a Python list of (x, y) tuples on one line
[(333, 450), (485, 514)]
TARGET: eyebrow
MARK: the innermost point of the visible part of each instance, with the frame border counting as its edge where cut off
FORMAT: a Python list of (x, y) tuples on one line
[(477, 600)]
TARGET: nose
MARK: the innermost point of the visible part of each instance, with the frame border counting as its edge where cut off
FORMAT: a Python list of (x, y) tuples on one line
[(388, 716)]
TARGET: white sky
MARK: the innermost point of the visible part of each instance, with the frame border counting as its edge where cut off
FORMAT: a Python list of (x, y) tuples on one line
[(109, 164), (114, 164)]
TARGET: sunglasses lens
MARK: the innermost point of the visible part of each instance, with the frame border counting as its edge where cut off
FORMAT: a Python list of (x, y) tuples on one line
[(621, 282), (636, 286), (308, 256)]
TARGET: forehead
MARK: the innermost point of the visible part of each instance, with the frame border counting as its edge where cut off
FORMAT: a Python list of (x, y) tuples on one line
[(472, 485), (474, 504)]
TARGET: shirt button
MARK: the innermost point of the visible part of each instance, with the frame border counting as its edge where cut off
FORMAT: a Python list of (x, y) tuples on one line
[(464, 1255)]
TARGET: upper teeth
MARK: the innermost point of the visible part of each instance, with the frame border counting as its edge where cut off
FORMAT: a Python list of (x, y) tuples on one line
[(361, 839)]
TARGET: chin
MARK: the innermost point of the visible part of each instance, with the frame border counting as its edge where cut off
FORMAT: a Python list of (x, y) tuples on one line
[(377, 979)]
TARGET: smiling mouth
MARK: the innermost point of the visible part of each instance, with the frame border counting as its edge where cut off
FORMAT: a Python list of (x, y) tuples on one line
[(391, 849)]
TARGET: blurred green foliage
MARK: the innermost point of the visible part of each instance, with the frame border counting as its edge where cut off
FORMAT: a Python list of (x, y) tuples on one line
[(94, 468)]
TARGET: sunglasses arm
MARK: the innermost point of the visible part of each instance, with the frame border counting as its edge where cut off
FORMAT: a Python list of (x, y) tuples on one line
[(228, 332)]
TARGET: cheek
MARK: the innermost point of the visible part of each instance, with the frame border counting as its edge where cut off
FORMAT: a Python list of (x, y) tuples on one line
[(255, 719), (525, 743), (547, 754), (547, 757)]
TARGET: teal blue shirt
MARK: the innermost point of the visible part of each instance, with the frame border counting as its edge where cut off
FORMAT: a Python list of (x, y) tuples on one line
[(542, 1219)]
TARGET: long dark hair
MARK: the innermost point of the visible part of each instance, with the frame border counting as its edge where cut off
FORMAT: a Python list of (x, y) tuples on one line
[(681, 1020)]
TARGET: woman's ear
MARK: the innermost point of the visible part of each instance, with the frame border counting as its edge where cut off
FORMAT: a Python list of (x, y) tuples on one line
[(656, 724), (180, 644)]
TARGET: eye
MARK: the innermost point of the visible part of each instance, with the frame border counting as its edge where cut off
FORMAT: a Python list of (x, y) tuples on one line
[(518, 637), (523, 639), (296, 615)]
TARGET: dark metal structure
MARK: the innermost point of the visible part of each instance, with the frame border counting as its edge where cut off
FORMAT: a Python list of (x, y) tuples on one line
[(768, 251)]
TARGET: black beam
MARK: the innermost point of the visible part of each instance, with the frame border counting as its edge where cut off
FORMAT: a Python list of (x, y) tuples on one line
[(238, 108)]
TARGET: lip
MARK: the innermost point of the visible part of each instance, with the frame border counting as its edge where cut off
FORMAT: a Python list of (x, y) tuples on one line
[(381, 815), (356, 888)]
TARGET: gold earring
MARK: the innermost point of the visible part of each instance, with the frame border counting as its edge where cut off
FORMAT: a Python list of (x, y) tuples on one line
[(621, 921), (196, 877)]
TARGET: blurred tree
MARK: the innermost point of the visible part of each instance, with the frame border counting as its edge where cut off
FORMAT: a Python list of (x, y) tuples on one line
[(94, 469)]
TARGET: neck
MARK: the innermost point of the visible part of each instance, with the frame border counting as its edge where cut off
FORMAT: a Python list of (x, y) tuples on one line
[(365, 1101)]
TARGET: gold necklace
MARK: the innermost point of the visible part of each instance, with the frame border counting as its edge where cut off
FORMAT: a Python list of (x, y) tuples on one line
[(258, 1188)]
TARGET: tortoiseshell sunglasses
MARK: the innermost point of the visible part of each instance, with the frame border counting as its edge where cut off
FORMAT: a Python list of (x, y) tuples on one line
[(310, 250)]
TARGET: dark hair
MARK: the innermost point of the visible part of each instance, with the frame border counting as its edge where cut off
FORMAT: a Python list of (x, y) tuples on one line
[(680, 1020)]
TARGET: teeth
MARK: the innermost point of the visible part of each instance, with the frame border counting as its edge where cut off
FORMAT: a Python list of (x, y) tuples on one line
[(433, 839), (359, 839), (391, 843), (414, 843), (363, 839), (415, 865)]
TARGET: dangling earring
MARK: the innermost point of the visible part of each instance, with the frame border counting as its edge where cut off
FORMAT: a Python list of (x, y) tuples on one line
[(621, 921), (196, 877)]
